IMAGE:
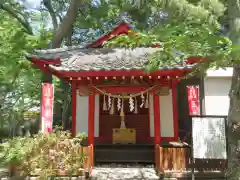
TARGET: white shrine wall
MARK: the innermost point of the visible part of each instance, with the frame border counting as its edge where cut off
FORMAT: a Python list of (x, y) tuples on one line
[(217, 84), (166, 115), (82, 107), (82, 114), (151, 115)]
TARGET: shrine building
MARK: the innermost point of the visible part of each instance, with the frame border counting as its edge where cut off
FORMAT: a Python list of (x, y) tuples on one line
[(125, 110)]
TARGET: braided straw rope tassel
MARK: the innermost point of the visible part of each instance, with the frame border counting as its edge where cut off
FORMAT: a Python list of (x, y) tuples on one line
[(122, 109), (136, 106), (112, 110), (104, 103), (147, 101)]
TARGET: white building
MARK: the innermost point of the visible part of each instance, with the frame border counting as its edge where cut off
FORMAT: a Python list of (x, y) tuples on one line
[(217, 85)]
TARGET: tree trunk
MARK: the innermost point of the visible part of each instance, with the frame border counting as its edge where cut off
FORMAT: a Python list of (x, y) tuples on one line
[(48, 5), (233, 132), (234, 110), (66, 88), (66, 25), (65, 116), (60, 33)]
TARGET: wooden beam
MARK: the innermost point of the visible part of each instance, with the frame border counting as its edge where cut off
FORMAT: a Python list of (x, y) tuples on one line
[(118, 89), (119, 73)]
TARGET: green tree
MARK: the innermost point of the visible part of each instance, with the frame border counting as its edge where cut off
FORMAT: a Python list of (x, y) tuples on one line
[(18, 80), (62, 14)]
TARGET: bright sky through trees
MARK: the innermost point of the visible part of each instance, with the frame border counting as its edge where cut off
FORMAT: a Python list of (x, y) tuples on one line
[(31, 3)]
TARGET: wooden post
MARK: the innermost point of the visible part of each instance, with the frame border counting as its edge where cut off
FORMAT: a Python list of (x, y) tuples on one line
[(74, 106)]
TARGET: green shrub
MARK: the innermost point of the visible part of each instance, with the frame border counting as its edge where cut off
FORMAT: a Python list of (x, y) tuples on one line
[(51, 153), (13, 151), (44, 155)]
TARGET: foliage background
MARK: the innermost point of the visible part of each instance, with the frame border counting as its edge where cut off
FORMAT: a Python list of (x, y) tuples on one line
[(208, 28)]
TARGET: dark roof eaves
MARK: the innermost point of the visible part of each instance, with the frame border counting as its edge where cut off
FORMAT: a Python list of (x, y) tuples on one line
[(187, 67)]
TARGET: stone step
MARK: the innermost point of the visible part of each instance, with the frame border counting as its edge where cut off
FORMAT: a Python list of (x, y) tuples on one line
[(124, 153), (123, 172)]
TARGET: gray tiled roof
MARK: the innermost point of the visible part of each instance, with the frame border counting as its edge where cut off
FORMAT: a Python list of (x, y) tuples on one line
[(82, 59)]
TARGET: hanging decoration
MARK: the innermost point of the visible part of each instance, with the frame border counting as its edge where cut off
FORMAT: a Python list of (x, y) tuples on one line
[(119, 104), (124, 96), (132, 98), (122, 126), (104, 103), (147, 102), (122, 114), (193, 100), (136, 106), (143, 100), (112, 110), (122, 109), (131, 104), (109, 101)]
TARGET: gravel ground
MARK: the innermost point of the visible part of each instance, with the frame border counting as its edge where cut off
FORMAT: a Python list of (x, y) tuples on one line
[(118, 172), (123, 172)]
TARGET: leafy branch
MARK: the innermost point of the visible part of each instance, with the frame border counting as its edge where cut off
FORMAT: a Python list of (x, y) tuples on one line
[(18, 15), (179, 43)]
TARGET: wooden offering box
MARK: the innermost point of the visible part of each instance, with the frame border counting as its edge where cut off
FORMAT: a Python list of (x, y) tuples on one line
[(124, 136)]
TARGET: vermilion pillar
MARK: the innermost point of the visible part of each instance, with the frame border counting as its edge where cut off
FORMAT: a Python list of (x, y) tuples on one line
[(175, 108), (91, 108), (74, 106), (157, 137), (156, 105)]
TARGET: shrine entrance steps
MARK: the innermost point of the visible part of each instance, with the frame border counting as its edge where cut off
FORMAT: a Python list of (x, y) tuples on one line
[(124, 153), (124, 172)]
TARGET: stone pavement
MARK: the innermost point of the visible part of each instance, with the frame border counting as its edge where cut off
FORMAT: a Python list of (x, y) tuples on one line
[(114, 172), (124, 172)]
